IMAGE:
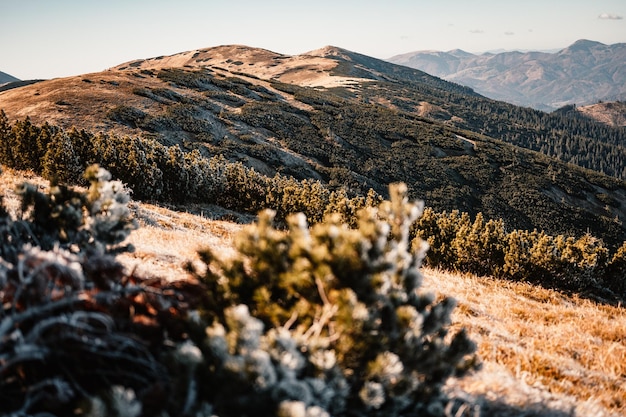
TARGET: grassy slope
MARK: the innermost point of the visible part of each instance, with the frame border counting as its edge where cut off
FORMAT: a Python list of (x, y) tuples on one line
[(543, 353), (308, 133)]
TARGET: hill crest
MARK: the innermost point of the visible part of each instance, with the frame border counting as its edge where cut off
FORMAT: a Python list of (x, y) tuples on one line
[(313, 69)]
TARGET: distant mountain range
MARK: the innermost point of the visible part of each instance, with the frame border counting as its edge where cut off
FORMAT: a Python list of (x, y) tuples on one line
[(6, 78), (355, 122), (583, 73)]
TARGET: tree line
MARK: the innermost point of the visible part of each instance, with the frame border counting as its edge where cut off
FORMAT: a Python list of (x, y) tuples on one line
[(160, 173)]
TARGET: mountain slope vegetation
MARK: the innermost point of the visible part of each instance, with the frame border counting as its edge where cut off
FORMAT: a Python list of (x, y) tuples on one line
[(349, 121)]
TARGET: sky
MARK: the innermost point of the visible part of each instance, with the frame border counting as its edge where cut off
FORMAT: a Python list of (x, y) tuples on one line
[(57, 38)]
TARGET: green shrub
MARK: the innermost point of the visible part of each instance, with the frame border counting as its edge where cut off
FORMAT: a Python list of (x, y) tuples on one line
[(517, 258), (94, 222), (329, 320), (440, 230), (479, 248), (61, 163)]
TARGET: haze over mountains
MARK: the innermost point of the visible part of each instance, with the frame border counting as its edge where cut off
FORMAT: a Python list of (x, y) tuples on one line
[(583, 73), (356, 122)]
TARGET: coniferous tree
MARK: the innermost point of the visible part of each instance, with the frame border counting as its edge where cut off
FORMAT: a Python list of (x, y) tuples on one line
[(6, 140), (60, 163)]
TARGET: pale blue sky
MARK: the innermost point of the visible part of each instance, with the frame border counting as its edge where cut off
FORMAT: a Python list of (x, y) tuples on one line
[(47, 38)]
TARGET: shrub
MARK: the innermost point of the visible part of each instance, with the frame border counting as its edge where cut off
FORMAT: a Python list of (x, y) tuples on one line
[(440, 230), (328, 320), (78, 335), (94, 222), (61, 163), (479, 248)]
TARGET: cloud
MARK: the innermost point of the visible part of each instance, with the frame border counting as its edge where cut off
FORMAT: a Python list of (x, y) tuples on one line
[(477, 31), (509, 33), (610, 16)]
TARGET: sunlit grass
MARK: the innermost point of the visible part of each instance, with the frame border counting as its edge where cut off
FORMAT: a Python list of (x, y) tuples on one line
[(561, 344)]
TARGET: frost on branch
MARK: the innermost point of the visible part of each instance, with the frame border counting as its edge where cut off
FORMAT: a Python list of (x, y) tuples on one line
[(94, 222), (78, 334), (330, 319)]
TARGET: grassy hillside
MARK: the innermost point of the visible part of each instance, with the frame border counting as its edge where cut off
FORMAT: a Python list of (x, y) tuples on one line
[(212, 139), (360, 135), (543, 353)]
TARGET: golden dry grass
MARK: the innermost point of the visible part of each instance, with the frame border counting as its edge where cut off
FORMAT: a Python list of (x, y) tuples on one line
[(10, 180), (167, 240), (570, 350)]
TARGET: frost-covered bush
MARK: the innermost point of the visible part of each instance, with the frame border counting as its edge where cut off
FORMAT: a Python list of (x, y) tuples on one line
[(78, 334), (94, 222), (328, 320)]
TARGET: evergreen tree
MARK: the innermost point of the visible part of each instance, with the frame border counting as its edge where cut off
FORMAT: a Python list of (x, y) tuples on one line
[(60, 163), (6, 140)]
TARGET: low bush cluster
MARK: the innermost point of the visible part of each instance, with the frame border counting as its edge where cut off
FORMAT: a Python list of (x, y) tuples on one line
[(320, 321), (483, 247), (154, 171)]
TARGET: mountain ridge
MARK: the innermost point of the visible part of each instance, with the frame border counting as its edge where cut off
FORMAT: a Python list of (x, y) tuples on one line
[(349, 121), (582, 73)]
